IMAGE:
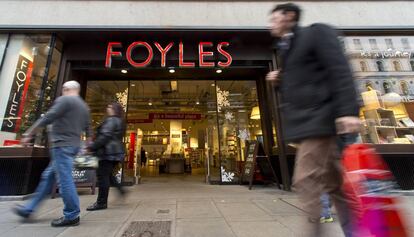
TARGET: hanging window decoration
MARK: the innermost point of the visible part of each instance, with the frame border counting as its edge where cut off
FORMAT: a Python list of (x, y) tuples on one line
[(122, 98), (226, 176), (229, 116), (222, 100), (244, 134)]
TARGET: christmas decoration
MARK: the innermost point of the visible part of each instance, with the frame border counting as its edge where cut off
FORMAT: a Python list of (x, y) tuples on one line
[(226, 176), (229, 116), (122, 98), (222, 100), (244, 134)]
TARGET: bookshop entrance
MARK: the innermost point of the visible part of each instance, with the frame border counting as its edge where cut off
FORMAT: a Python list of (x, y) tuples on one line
[(182, 128)]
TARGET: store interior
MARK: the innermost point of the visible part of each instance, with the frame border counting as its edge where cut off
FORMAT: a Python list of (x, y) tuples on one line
[(185, 127)]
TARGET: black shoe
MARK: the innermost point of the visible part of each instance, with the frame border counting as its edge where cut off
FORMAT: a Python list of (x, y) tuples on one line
[(62, 222), (18, 210), (96, 206)]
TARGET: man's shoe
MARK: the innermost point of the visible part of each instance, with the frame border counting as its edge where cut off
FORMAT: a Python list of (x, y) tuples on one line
[(96, 206), (326, 219), (19, 210), (62, 222)]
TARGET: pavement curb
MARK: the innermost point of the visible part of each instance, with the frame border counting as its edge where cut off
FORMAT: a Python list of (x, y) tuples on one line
[(15, 198)]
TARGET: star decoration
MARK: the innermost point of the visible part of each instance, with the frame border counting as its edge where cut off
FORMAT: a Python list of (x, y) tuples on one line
[(229, 116), (244, 134)]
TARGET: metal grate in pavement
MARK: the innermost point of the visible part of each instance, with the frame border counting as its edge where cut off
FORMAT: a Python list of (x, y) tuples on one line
[(163, 211), (148, 229)]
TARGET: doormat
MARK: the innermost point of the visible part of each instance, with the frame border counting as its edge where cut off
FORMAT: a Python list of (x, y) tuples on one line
[(148, 229)]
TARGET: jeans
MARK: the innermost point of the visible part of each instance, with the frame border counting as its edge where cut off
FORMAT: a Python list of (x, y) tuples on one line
[(325, 202), (60, 170)]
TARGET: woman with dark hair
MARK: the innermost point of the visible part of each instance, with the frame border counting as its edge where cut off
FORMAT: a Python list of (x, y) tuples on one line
[(109, 148)]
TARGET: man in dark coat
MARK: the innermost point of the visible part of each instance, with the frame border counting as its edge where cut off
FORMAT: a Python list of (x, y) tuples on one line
[(318, 102)]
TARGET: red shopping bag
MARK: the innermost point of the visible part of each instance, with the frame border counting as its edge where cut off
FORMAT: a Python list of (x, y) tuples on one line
[(366, 180)]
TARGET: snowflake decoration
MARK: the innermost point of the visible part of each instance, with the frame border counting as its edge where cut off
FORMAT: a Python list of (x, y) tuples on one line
[(229, 116), (122, 98), (226, 176), (244, 134), (222, 100)]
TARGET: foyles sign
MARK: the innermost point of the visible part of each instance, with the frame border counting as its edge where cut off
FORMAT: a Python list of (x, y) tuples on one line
[(206, 52), (15, 105)]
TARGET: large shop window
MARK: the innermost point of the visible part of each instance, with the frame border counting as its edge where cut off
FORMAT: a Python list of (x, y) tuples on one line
[(28, 75), (386, 94)]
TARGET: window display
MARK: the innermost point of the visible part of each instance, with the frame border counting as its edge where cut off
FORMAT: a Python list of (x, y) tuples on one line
[(21, 84), (384, 77)]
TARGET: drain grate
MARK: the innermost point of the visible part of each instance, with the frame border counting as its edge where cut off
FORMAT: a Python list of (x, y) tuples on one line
[(148, 229), (165, 211)]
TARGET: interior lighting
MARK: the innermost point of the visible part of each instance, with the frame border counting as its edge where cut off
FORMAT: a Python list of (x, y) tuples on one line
[(124, 71), (255, 113), (172, 70), (219, 71)]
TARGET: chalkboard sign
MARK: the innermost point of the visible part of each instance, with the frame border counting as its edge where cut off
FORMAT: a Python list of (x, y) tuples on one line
[(82, 178), (256, 158), (250, 163)]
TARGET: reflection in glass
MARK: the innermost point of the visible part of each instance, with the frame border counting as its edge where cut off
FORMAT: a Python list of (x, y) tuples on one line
[(21, 79)]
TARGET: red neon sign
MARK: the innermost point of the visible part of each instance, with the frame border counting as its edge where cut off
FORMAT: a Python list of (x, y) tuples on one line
[(203, 53)]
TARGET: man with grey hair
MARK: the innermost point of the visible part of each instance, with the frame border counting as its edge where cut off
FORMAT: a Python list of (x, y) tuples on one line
[(68, 118)]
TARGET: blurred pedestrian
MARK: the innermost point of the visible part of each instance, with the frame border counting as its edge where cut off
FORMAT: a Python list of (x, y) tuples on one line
[(109, 148), (143, 157), (69, 117), (318, 102), (326, 214)]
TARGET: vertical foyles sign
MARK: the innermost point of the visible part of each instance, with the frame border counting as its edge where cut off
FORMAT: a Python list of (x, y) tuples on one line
[(21, 81)]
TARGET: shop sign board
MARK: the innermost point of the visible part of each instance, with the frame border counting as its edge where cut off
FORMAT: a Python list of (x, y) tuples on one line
[(20, 86), (206, 53), (257, 160)]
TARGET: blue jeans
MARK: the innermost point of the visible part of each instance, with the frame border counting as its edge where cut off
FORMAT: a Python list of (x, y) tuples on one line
[(325, 202), (60, 169)]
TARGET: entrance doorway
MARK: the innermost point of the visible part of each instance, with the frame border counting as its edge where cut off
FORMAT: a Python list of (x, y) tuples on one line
[(191, 129)]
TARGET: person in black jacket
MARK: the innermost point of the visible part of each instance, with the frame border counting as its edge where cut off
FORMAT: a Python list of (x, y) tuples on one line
[(318, 102), (109, 148)]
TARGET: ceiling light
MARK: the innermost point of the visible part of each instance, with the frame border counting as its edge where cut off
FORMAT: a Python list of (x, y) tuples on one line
[(149, 103), (124, 71), (219, 71), (172, 70), (197, 103), (212, 84), (132, 84)]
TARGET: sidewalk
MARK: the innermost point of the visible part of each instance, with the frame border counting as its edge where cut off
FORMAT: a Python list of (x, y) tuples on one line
[(177, 207)]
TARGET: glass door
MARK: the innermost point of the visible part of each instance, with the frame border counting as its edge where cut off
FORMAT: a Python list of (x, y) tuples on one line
[(238, 121)]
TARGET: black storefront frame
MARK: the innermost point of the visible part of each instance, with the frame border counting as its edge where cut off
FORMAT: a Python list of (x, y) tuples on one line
[(347, 31)]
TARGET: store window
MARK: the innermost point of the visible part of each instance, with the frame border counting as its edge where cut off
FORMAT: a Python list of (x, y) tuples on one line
[(405, 42), (389, 44), (373, 44), (364, 66), (387, 106), (357, 44), (380, 66), (23, 80), (3, 43), (397, 66)]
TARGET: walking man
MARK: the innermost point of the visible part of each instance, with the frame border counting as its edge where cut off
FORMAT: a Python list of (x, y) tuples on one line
[(318, 102), (69, 117)]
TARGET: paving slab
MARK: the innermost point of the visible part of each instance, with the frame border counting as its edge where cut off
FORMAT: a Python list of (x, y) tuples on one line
[(277, 207), (201, 209), (242, 211), (260, 229), (92, 228), (203, 228), (34, 231)]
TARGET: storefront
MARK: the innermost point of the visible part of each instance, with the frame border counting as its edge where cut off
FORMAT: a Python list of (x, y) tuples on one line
[(194, 97)]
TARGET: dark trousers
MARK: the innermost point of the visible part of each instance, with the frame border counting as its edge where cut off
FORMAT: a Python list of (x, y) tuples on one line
[(105, 178)]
